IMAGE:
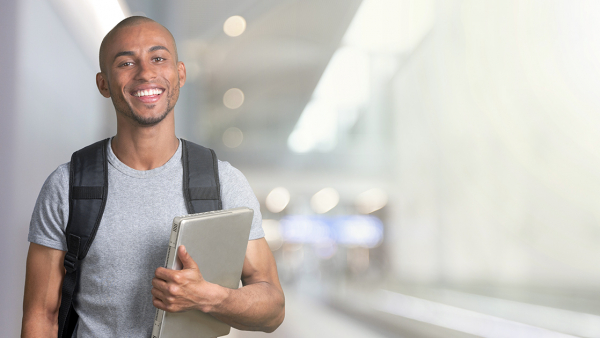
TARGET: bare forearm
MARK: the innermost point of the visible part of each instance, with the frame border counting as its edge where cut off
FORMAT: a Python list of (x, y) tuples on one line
[(39, 325), (41, 299), (256, 307)]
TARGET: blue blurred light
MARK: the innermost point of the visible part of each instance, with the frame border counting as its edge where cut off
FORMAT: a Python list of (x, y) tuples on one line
[(305, 229), (361, 230)]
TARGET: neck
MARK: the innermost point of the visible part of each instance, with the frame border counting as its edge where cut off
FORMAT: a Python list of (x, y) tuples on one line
[(142, 147)]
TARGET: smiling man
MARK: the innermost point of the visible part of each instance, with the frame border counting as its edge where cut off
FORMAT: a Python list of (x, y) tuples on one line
[(121, 280)]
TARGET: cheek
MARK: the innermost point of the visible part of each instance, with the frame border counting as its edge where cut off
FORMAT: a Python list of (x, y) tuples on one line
[(122, 91), (175, 92), (119, 84)]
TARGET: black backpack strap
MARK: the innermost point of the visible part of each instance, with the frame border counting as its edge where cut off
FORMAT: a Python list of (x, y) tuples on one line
[(201, 188), (88, 190)]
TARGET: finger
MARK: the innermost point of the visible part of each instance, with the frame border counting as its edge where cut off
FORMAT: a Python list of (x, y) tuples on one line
[(159, 304), (186, 260), (164, 274), (158, 294), (159, 284)]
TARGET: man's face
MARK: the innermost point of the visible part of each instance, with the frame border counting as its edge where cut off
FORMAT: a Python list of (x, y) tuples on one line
[(142, 75)]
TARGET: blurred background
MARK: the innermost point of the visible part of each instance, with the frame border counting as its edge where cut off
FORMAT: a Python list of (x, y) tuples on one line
[(425, 168)]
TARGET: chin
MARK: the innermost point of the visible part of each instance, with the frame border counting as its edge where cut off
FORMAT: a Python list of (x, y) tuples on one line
[(149, 121)]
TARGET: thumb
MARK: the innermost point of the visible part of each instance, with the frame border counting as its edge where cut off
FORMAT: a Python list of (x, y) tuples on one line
[(186, 260)]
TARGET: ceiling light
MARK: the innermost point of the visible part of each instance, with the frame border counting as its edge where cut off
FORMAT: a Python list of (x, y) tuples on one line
[(233, 98), (234, 26), (277, 199), (371, 200), (233, 137), (324, 200)]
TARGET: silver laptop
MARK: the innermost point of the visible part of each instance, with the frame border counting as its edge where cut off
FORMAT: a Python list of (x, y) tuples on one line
[(217, 242)]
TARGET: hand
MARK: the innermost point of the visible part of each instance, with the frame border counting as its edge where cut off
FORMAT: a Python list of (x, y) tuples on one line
[(182, 290)]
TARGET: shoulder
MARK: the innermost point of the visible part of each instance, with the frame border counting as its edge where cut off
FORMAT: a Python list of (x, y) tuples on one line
[(231, 178), (51, 211), (56, 188), (227, 171), (58, 181)]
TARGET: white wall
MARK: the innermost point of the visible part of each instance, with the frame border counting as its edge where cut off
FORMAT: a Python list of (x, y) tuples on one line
[(57, 109), (497, 147)]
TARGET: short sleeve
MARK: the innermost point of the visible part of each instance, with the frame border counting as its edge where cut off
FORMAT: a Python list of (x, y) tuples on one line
[(236, 192), (51, 211)]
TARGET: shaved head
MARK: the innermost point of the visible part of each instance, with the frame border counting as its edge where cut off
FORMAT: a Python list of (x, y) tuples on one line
[(140, 72), (128, 22)]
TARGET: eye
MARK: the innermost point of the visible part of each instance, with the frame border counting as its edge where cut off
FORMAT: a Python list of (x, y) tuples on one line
[(125, 64), (158, 59)]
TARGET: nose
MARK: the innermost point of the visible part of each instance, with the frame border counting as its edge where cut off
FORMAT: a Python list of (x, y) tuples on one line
[(145, 71)]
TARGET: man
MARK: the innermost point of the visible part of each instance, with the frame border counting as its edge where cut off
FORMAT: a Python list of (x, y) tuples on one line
[(122, 277)]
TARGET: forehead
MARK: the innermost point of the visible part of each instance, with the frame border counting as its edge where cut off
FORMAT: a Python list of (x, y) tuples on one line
[(138, 38)]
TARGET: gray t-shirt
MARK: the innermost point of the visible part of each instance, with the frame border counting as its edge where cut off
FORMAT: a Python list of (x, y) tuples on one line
[(114, 298)]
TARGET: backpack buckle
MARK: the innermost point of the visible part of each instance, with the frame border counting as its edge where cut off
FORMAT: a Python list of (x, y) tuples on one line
[(71, 262), (71, 258)]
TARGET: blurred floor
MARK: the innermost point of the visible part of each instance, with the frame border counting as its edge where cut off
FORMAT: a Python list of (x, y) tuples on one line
[(433, 313), (308, 318)]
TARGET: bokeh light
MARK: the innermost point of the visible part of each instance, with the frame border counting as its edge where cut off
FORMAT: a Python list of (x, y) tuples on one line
[(234, 26), (324, 200), (277, 199), (233, 98), (233, 137), (371, 200)]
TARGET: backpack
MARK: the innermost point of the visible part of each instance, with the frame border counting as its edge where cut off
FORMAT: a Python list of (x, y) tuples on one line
[(88, 191)]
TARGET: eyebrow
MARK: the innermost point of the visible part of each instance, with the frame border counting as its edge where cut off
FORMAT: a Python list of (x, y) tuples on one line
[(155, 48), (123, 53), (152, 49)]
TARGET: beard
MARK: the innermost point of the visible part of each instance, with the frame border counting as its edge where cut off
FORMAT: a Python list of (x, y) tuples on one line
[(147, 121), (123, 107)]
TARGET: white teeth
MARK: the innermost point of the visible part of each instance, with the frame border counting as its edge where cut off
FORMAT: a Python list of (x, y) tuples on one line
[(147, 92)]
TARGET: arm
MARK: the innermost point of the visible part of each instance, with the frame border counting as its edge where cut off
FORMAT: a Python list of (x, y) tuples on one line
[(257, 306), (43, 281)]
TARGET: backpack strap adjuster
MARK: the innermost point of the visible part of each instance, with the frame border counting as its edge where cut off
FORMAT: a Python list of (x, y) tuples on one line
[(71, 262), (72, 256)]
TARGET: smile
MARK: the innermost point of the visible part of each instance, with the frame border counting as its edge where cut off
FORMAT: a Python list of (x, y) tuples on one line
[(148, 92)]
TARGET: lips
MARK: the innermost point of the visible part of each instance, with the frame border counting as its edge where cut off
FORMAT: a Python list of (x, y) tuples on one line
[(148, 95), (148, 92)]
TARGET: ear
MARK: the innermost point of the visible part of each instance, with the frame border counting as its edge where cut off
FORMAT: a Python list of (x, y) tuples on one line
[(182, 74), (102, 84)]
